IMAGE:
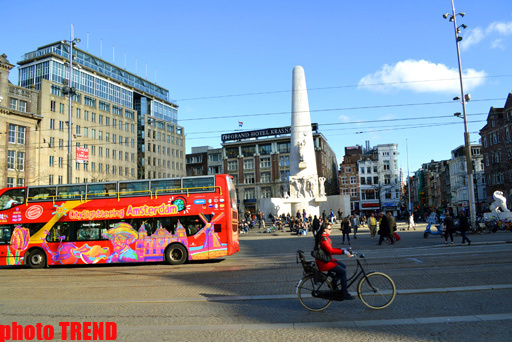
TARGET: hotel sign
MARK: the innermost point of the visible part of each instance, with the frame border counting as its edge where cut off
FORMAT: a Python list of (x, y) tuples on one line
[(261, 133)]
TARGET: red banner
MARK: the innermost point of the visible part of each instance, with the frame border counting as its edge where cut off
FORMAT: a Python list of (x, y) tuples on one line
[(82, 155)]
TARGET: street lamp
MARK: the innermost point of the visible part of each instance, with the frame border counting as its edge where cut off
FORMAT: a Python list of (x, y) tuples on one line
[(71, 91), (464, 98)]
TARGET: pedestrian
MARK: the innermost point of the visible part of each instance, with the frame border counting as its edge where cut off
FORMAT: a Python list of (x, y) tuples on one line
[(315, 225), (411, 222), (384, 229), (338, 268), (332, 217), (449, 228), (304, 215), (345, 229), (340, 214), (323, 215), (464, 227), (392, 225), (355, 224), (372, 222)]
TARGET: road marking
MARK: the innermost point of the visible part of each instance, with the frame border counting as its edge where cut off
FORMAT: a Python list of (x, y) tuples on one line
[(232, 298), (415, 259), (320, 325)]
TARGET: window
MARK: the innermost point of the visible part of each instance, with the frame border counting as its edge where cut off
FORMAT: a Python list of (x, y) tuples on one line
[(344, 180), (12, 134), (266, 192), (265, 163), (249, 164), (285, 175), (10, 159), (249, 194), (284, 160), (61, 108), (20, 161), (265, 177), (14, 104), (353, 180), (354, 192), (283, 147), (386, 165), (265, 149), (363, 181), (232, 165), (369, 180), (50, 162), (23, 106), (249, 178), (348, 169), (248, 151)]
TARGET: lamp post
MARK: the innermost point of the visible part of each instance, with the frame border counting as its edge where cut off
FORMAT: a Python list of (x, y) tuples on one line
[(464, 98), (70, 90)]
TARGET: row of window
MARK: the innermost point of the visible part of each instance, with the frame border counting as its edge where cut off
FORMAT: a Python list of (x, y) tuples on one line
[(15, 160), (17, 134), (265, 177), (250, 193), (18, 105), (251, 150)]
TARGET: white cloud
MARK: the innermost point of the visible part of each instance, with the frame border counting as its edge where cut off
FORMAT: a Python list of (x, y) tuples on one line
[(420, 76), (476, 35)]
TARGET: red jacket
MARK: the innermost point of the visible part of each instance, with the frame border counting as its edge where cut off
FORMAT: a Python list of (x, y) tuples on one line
[(326, 245)]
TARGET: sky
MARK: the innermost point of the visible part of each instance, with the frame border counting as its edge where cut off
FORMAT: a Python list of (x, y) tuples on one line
[(377, 71)]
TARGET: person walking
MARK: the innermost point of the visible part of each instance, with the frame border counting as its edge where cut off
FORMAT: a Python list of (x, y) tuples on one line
[(337, 267), (355, 224), (345, 229), (411, 222), (449, 228), (384, 230), (315, 226), (392, 225), (372, 223), (464, 227)]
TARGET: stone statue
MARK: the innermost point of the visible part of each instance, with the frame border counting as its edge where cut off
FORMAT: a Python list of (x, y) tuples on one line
[(301, 145), (322, 187), (499, 202), (311, 186)]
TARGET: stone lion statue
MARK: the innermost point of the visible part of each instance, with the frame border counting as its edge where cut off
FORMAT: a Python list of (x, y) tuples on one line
[(499, 202)]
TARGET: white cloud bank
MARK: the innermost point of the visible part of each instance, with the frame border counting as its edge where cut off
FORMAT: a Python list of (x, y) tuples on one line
[(421, 76), (495, 31)]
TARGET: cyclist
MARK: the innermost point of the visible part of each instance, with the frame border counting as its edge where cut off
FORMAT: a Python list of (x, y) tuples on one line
[(338, 268)]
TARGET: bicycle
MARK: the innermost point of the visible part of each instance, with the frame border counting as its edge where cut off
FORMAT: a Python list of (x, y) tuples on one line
[(316, 290)]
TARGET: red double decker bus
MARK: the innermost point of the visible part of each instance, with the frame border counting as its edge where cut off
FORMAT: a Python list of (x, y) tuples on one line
[(173, 220)]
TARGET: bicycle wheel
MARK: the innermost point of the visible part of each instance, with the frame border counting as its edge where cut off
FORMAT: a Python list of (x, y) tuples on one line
[(307, 286), (377, 290)]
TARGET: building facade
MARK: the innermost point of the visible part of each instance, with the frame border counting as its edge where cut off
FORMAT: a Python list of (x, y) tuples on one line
[(126, 125), (459, 182), (496, 137), (20, 125), (349, 176), (205, 160), (259, 161)]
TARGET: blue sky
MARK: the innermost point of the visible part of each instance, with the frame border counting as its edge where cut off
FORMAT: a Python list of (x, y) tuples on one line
[(383, 71)]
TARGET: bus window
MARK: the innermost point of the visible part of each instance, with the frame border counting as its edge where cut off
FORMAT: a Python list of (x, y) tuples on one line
[(62, 231), (12, 198), (67, 192), (41, 193), (5, 234), (134, 188), (199, 184), (166, 186), (101, 190)]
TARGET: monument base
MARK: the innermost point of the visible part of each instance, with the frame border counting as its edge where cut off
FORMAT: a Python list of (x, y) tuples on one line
[(498, 215), (302, 165), (320, 199)]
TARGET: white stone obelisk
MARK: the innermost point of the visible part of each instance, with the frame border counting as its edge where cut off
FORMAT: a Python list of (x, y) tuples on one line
[(304, 184)]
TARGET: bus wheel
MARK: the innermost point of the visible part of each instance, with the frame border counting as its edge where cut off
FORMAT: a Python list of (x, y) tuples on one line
[(176, 254), (36, 259)]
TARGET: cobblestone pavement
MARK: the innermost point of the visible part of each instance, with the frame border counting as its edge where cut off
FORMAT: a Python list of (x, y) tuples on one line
[(460, 293)]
